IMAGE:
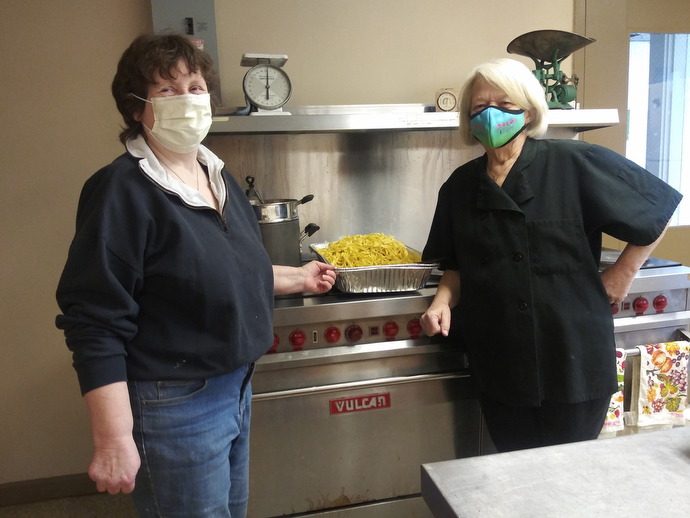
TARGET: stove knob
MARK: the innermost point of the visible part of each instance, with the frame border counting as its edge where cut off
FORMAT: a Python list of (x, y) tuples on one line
[(660, 302), (414, 327), (614, 308), (332, 335), (276, 341), (353, 333), (640, 305), (297, 340), (390, 329)]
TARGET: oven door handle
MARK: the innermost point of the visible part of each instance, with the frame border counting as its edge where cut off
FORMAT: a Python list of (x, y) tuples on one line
[(680, 319), (683, 334), (357, 352), (355, 385)]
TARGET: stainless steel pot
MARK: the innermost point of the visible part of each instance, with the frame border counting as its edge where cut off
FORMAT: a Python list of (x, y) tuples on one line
[(276, 211), (279, 224)]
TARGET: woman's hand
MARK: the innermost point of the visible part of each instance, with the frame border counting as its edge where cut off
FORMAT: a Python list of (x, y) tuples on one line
[(618, 277), (315, 276), (617, 281), (319, 277), (115, 461), (114, 466), (436, 319)]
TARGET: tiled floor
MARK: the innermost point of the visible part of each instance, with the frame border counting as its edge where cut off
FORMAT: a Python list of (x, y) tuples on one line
[(93, 506)]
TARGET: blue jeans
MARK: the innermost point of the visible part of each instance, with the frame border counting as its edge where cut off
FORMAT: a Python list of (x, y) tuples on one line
[(193, 439)]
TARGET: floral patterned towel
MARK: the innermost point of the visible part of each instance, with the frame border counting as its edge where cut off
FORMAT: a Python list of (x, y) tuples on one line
[(663, 383), (614, 417)]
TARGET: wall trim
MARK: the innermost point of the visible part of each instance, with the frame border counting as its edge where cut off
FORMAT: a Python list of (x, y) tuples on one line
[(29, 491)]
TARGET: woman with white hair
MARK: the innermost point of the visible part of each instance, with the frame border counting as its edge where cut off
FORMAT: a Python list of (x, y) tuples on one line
[(518, 233)]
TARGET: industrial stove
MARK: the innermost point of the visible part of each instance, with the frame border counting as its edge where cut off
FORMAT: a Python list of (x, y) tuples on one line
[(353, 397)]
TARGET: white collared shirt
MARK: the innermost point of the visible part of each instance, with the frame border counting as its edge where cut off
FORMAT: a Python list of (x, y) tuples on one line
[(152, 168)]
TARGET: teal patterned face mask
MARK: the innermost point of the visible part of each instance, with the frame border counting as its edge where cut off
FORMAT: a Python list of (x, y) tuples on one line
[(495, 127)]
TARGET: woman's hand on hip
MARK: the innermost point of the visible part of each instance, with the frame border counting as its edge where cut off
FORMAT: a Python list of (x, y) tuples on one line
[(617, 283), (618, 277)]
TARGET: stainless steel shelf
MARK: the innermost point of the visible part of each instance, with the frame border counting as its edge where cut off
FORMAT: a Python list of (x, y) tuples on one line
[(345, 118), (583, 120), (384, 117)]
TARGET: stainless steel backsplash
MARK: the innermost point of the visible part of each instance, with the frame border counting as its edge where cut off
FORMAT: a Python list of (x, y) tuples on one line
[(362, 182)]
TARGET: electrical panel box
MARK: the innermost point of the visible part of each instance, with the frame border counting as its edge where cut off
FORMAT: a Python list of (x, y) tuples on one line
[(196, 19)]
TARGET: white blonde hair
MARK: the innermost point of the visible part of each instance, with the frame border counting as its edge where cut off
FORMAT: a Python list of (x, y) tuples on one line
[(518, 83)]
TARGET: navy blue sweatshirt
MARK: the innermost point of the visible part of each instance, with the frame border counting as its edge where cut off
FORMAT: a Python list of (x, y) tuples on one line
[(158, 285)]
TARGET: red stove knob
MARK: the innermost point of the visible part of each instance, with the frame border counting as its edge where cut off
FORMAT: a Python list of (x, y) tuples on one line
[(390, 329), (614, 308), (640, 305), (414, 327), (332, 335), (353, 333), (276, 341), (297, 340), (660, 302)]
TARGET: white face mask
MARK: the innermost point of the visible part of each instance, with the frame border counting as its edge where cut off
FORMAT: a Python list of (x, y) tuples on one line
[(180, 121)]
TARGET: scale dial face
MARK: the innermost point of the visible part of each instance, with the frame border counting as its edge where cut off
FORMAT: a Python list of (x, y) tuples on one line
[(267, 87)]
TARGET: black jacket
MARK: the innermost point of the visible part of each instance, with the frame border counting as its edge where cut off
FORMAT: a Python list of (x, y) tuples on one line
[(533, 312), (159, 286)]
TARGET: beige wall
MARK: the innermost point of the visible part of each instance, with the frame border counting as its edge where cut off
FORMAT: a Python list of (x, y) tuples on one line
[(57, 126), (376, 51), (606, 76)]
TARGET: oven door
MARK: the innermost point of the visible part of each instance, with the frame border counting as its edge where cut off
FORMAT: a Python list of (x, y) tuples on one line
[(650, 329), (355, 447)]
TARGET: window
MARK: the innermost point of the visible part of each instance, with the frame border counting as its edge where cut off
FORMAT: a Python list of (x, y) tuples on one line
[(659, 111)]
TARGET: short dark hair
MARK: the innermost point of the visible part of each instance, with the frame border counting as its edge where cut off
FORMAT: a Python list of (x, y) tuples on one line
[(148, 55)]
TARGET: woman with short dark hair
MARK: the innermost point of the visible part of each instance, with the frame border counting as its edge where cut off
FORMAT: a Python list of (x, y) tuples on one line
[(147, 57), (167, 296)]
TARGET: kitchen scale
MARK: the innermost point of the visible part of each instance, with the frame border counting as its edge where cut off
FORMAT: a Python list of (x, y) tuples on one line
[(548, 48), (267, 87)]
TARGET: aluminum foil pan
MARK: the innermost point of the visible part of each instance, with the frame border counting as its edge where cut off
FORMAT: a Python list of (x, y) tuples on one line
[(380, 279)]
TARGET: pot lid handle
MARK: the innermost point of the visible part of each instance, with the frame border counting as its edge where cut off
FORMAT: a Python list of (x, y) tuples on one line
[(308, 231), (252, 193)]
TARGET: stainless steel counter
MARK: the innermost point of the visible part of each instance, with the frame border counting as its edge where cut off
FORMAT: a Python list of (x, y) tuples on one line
[(647, 474), (344, 306)]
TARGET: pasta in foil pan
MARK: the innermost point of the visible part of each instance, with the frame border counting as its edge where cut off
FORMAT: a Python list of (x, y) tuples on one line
[(383, 278), (368, 250)]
